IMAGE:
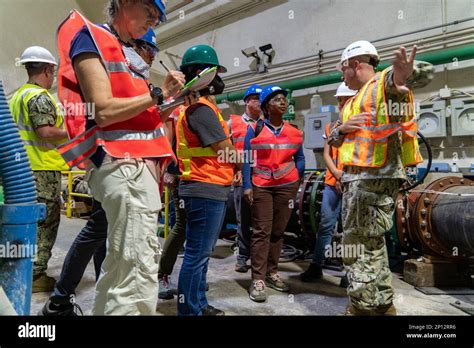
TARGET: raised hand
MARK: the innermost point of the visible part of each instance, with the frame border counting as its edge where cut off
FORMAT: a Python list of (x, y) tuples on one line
[(403, 68)]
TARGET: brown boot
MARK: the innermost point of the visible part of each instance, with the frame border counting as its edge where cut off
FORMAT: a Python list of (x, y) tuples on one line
[(43, 283), (351, 310), (389, 310)]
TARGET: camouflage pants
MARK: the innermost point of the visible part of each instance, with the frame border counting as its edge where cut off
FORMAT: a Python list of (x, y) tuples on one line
[(48, 187), (367, 210)]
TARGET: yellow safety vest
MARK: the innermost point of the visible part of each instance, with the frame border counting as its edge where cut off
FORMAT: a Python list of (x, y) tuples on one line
[(42, 154), (368, 147)]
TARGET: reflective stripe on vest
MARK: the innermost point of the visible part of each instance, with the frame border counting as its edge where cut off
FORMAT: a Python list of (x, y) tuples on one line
[(139, 137), (42, 154), (98, 135), (239, 130), (368, 147), (201, 163), (275, 165)]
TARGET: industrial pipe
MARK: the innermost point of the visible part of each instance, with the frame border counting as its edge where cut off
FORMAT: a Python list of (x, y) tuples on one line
[(438, 220), (18, 216), (448, 55)]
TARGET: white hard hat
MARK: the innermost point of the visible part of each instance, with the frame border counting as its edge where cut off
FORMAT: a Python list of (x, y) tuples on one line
[(358, 48), (36, 54), (344, 91)]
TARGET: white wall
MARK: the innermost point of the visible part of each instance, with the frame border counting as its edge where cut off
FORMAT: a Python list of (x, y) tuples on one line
[(295, 28), (299, 28)]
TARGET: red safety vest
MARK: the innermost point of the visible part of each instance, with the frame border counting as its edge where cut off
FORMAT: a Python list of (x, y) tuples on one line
[(274, 163), (198, 163), (139, 137), (239, 130)]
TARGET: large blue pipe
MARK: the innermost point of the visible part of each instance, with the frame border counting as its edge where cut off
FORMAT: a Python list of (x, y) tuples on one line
[(18, 216)]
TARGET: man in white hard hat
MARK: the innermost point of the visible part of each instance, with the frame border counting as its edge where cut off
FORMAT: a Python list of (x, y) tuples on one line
[(41, 128), (332, 198), (376, 141)]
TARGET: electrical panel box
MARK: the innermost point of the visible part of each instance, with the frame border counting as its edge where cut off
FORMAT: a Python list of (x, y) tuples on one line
[(314, 128), (462, 117), (432, 119)]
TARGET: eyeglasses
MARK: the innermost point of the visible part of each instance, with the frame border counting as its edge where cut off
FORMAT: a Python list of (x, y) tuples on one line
[(152, 51), (278, 100)]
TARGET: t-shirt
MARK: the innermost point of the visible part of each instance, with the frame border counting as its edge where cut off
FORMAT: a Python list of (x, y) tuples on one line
[(203, 122)]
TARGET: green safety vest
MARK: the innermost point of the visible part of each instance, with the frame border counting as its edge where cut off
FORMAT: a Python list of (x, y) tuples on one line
[(42, 154)]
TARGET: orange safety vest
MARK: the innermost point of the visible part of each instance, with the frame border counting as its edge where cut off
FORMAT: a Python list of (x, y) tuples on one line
[(139, 137), (329, 179), (198, 163), (368, 147), (239, 130), (274, 163)]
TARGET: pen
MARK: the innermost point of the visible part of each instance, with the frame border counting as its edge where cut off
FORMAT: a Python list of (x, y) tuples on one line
[(164, 66)]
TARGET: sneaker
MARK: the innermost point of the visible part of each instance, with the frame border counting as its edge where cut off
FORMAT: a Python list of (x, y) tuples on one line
[(313, 273), (43, 283), (212, 311), (274, 281), (241, 266), (257, 291), (70, 308), (164, 288)]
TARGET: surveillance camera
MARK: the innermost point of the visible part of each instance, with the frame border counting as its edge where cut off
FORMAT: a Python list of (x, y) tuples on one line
[(250, 52), (266, 47)]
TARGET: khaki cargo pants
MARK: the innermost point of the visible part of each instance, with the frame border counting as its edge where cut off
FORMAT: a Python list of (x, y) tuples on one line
[(129, 194)]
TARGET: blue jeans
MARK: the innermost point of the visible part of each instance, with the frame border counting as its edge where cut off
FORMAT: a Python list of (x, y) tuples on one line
[(88, 243), (330, 209), (204, 218)]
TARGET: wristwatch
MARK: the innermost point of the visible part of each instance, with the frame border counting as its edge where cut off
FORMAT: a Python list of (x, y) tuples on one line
[(156, 93)]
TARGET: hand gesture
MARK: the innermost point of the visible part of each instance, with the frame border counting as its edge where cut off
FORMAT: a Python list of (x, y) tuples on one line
[(354, 123), (403, 68)]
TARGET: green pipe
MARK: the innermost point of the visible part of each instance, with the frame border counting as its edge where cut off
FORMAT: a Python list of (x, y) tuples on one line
[(444, 56)]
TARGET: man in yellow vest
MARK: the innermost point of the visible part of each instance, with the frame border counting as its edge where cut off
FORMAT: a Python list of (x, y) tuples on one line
[(40, 123), (376, 141)]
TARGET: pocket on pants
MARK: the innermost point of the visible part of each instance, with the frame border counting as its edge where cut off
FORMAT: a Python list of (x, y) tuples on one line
[(147, 249), (132, 171), (367, 213)]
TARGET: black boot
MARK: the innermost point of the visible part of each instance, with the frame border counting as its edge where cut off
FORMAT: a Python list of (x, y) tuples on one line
[(344, 282), (313, 272)]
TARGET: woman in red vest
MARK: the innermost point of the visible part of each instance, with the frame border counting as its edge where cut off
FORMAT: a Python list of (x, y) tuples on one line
[(122, 140), (270, 185)]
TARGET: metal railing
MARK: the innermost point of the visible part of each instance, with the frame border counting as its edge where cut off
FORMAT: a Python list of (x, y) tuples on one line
[(70, 194)]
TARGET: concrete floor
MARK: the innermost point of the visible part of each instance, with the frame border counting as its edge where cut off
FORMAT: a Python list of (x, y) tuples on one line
[(228, 289)]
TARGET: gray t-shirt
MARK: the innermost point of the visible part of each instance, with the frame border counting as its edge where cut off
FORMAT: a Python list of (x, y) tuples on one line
[(203, 121)]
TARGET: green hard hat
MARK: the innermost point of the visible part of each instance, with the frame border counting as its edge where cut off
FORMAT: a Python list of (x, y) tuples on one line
[(201, 54)]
